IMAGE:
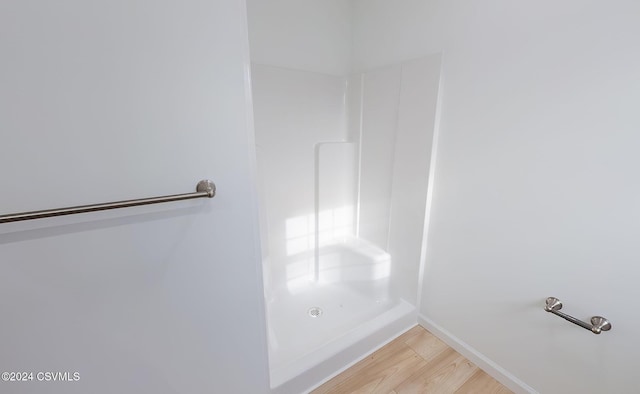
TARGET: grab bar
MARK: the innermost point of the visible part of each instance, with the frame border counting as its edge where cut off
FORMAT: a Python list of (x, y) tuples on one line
[(598, 323), (205, 188)]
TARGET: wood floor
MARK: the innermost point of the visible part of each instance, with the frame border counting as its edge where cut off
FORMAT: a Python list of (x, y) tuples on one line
[(414, 363)]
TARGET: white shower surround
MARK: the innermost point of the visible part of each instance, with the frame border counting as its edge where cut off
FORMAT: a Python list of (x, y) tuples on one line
[(353, 152)]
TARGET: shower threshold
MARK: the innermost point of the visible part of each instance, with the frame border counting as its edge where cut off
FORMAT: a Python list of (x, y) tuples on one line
[(311, 369)]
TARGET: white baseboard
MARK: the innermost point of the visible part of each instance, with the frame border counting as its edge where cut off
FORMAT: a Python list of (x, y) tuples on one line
[(500, 374)]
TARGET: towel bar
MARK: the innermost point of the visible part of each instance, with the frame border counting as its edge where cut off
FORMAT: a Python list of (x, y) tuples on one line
[(205, 188), (598, 323)]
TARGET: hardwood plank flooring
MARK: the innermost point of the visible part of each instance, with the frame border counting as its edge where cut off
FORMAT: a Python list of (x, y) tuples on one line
[(414, 363)]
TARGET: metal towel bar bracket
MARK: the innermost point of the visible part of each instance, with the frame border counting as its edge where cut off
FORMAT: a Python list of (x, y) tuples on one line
[(204, 188), (598, 323)]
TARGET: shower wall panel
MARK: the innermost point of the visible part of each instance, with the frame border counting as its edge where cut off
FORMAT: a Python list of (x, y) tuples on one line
[(393, 112), (411, 167), (336, 191), (294, 112), (379, 95)]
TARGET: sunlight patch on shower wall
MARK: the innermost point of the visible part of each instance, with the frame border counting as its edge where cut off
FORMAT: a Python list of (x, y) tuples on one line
[(335, 225)]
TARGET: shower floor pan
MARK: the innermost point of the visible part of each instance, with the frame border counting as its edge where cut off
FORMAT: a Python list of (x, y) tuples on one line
[(319, 327)]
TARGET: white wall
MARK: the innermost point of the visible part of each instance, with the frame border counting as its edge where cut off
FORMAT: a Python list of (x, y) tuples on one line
[(386, 33), (110, 100), (301, 34), (535, 192)]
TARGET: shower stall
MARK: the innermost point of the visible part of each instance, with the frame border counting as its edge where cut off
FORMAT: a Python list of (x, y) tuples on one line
[(343, 162), (343, 167)]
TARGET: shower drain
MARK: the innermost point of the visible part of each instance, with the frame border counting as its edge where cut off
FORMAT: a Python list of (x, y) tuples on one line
[(315, 312)]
